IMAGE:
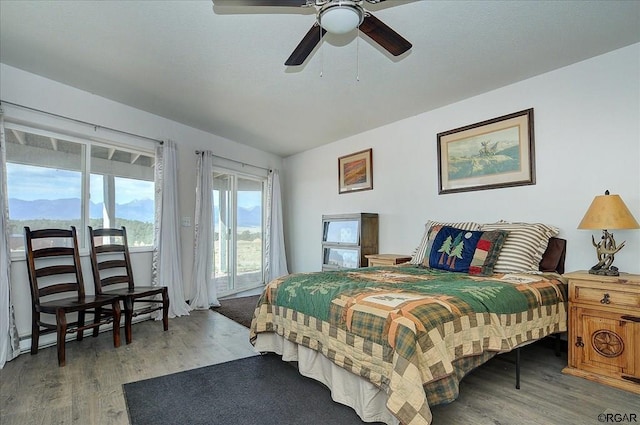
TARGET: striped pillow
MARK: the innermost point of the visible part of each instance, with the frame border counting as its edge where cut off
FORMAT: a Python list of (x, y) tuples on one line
[(524, 246), (421, 250)]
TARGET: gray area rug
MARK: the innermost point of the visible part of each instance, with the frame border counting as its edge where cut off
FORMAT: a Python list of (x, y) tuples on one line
[(238, 309), (260, 390)]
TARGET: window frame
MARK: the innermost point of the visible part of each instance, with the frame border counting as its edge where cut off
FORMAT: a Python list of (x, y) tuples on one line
[(87, 142)]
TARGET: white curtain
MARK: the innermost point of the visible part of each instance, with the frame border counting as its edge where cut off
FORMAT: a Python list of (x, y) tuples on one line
[(275, 255), (204, 294), (167, 262), (9, 343)]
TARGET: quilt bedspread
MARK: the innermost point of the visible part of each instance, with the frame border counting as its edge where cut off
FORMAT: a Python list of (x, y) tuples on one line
[(412, 332)]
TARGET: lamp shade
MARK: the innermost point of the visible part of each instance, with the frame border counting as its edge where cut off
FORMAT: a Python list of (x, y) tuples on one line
[(608, 212), (341, 18)]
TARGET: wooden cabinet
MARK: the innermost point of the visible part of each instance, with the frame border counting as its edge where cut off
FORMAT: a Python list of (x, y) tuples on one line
[(604, 329), (376, 260), (347, 239)]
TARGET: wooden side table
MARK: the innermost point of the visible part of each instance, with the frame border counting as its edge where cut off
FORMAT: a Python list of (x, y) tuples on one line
[(604, 329), (386, 259)]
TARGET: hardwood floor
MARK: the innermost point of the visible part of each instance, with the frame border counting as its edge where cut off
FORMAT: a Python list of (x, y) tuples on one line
[(546, 396), (88, 391)]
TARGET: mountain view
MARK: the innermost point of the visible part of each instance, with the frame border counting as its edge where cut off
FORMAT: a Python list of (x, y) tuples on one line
[(138, 210), (63, 209)]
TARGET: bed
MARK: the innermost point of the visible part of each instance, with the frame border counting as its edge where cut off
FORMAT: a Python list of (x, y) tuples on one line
[(392, 341)]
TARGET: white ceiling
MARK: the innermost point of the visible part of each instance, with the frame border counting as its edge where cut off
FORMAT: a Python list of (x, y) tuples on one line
[(223, 71)]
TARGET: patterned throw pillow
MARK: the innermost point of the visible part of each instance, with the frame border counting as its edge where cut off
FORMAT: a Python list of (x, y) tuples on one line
[(524, 246), (464, 251), (420, 251)]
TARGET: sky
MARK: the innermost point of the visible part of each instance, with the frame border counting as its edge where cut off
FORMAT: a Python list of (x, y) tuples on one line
[(30, 183), (248, 199)]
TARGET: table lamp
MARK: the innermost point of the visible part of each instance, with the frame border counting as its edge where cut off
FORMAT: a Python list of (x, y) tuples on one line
[(607, 212)]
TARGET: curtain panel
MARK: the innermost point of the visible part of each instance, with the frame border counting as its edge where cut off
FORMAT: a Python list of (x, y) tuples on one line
[(204, 294), (9, 341), (275, 263), (167, 261)]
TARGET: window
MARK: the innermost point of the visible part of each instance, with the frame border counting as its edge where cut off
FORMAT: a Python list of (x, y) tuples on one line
[(122, 184), (57, 181), (238, 214)]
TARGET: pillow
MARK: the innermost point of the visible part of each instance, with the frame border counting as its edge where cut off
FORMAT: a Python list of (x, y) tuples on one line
[(420, 251), (524, 246), (464, 251), (553, 257)]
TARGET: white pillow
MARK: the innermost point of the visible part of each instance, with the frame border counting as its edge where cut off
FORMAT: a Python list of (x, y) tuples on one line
[(524, 246), (421, 250)]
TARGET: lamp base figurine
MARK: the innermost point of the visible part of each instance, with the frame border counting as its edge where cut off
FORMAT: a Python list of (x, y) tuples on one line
[(606, 250)]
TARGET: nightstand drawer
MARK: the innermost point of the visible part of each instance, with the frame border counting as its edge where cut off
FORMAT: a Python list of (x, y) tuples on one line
[(605, 296)]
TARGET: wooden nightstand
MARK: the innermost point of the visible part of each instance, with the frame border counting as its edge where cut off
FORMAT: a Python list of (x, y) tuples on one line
[(604, 329), (386, 259)]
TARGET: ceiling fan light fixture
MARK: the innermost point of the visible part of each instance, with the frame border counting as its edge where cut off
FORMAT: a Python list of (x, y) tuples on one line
[(341, 16)]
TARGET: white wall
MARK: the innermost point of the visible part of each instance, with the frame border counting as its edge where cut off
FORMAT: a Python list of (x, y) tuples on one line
[(587, 140), (27, 89)]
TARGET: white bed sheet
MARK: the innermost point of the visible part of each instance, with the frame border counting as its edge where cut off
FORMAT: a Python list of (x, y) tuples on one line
[(368, 401)]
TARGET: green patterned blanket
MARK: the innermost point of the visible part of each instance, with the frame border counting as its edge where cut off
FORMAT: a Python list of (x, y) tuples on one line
[(405, 328), (312, 293)]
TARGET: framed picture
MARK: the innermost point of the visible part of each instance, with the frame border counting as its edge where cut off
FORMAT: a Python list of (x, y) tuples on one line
[(488, 155), (355, 172)]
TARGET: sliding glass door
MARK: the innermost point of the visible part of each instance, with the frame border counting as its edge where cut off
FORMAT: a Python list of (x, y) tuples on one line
[(238, 212)]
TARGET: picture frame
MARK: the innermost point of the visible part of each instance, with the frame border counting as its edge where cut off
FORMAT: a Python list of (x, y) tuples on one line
[(355, 172), (491, 154)]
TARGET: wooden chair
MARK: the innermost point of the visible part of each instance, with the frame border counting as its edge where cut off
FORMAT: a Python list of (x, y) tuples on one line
[(57, 288), (111, 264)]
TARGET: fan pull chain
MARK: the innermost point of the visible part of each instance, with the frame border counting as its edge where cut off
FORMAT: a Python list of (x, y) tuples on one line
[(321, 54), (358, 55)]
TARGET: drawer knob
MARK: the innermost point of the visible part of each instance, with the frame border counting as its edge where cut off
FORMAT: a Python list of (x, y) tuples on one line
[(605, 299), (579, 342)]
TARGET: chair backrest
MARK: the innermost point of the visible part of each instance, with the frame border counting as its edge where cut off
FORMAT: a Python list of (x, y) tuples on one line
[(53, 263), (110, 260)]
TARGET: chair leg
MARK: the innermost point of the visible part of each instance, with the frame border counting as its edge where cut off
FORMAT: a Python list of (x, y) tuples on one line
[(61, 329), (80, 334), (165, 309), (116, 323), (128, 319), (35, 332), (97, 316)]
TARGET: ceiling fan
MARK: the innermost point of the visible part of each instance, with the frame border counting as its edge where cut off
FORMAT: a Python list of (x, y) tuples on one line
[(337, 17)]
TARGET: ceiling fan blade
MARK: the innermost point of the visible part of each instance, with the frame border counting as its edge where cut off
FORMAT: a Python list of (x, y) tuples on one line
[(285, 3), (306, 46), (382, 34)]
